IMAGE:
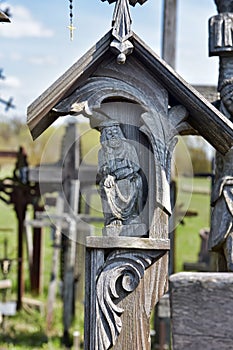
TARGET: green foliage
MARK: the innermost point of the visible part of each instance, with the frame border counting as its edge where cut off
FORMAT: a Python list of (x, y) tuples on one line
[(89, 143), (15, 134), (191, 156)]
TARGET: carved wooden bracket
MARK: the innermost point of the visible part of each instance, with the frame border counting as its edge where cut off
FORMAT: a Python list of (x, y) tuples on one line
[(120, 275)]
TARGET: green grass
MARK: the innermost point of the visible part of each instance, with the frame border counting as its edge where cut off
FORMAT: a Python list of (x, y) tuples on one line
[(187, 240)]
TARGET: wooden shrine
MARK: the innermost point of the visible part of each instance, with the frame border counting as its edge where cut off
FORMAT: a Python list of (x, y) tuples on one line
[(139, 104)]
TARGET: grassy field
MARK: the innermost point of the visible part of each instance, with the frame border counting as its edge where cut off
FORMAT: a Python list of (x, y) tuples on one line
[(27, 330), (187, 240)]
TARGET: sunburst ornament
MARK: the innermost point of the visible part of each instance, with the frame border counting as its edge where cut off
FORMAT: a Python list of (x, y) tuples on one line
[(71, 26)]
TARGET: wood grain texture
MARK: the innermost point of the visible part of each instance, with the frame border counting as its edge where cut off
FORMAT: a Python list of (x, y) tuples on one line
[(127, 242), (201, 308), (169, 32)]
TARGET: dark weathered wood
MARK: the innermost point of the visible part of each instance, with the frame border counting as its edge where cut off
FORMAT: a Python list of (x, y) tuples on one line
[(55, 266), (220, 43), (61, 87), (8, 154), (203, 117), (94, 261), (201, 305), (169, 32), (4, 17)]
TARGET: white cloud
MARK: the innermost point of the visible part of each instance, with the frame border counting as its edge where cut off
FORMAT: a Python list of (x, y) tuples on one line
[(11, 82), (16, 56), (23, 25), (41, 60)]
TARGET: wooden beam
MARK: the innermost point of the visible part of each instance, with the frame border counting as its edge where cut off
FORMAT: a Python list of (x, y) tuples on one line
[(4, 17), (127, 242), (8, 154)]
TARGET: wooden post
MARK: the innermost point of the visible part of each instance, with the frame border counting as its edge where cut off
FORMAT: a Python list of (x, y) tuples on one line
[(169, 32), (68, 284), (36, 280), (55, 263), (20, 201)]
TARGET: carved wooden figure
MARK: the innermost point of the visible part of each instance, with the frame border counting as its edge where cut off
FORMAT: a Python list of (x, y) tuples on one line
[(221, 44), (139, 104)]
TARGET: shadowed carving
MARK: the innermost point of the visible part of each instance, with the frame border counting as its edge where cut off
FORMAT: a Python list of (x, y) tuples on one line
[(121, 274)]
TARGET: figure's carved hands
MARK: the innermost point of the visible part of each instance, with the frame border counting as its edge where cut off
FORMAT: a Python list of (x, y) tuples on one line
[(109, 181)]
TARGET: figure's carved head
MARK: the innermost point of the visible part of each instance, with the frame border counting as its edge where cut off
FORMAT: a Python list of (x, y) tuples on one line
[(224, 5), (111, 133)]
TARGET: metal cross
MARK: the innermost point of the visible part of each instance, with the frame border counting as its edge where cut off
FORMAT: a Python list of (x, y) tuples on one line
[(71, 29)]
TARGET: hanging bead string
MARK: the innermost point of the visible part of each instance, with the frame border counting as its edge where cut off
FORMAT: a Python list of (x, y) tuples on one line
[(71, 27)]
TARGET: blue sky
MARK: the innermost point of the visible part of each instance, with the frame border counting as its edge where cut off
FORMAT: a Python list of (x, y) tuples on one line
[(36, 49)]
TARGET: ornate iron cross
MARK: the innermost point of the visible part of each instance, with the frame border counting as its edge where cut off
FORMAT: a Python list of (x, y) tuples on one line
[(121, 28)]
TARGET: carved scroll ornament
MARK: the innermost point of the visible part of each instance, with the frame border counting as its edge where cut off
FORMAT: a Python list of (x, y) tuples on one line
[(121, 274)]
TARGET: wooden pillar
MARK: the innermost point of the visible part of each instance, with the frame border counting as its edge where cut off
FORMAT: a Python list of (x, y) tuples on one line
[(19, 198), (55, 263), (169, 32), (36, 275), (121, 290)]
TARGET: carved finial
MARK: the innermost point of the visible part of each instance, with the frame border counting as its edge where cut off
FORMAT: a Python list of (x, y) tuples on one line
[(131, 2), (121, 28)]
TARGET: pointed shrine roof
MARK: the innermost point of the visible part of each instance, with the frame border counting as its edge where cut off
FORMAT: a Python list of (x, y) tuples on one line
[(203, 116)]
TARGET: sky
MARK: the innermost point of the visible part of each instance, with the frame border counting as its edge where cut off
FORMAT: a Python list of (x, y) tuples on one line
[(36, 49)]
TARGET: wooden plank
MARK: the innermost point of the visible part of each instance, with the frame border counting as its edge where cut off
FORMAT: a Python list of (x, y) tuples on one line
[(51, 174), (204, 117), (201, 312), (127, 242), (169, 32), (8, 154), (45, 102)]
